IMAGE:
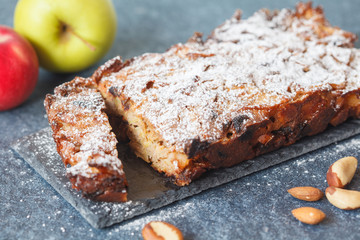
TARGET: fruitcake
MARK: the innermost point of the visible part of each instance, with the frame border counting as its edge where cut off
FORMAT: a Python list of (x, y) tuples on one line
[(253, 86), (85, 141)]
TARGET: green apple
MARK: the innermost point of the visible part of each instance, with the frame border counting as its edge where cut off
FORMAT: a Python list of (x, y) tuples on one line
[(68, 35)]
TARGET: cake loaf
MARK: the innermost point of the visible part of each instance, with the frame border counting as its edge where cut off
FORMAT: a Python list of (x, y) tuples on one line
[(85, 141), (253, 86)]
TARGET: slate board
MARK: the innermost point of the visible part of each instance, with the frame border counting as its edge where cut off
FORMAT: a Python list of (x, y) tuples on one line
[(148, 189)]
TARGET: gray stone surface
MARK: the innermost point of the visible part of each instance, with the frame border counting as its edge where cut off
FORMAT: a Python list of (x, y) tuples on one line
[(149, 190), (253, 207)]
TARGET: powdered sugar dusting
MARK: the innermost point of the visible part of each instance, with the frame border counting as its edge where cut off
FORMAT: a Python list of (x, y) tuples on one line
[(194, 89)]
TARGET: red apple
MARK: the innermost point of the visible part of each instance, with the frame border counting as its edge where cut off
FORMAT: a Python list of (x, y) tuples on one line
[(19, 68)]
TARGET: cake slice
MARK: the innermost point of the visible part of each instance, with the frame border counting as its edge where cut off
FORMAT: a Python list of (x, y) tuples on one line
[(253, 86), (85, 141)]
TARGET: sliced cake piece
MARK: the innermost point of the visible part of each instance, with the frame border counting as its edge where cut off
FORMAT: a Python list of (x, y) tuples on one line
[(85, 141), (255, 85)]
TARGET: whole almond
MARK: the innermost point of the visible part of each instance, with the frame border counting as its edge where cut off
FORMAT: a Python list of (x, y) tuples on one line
[(157, 230), (341, 172), (343, 198), (309, 194), (308, 215)]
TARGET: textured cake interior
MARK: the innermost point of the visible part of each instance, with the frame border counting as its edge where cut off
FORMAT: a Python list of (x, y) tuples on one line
[(253, 86)]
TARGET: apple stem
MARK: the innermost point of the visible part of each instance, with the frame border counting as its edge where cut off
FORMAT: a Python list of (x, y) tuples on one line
[(67, 29)]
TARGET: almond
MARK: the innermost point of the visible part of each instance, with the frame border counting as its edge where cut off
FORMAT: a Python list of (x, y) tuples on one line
[(157, 230), (341, 172), (308, 215), (343, 198), (309, 194)]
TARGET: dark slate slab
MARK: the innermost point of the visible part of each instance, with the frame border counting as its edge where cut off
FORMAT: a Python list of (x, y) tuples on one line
[(149, 190)]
